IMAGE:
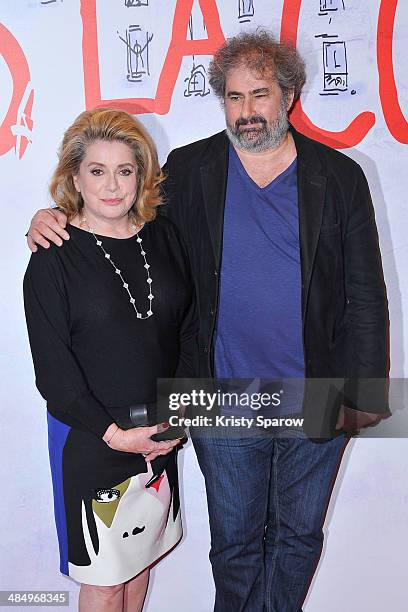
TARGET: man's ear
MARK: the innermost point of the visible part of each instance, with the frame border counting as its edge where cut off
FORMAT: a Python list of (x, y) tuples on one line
[(290, 99)]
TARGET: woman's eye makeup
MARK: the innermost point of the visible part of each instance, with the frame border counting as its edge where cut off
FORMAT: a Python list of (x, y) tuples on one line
[(122, 171)]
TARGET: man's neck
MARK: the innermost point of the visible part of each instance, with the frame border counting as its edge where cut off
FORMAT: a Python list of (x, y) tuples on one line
[(263, 167)]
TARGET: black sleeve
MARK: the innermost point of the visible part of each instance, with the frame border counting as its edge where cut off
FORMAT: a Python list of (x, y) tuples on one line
[(367, 389), (188, 359), (170, 195), (59, 378)]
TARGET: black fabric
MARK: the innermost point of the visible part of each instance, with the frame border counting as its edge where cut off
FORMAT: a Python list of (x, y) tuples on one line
[(90, 351), (344, 305)]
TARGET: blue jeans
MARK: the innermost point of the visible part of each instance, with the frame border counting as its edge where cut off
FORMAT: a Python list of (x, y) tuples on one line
[(267, 500)]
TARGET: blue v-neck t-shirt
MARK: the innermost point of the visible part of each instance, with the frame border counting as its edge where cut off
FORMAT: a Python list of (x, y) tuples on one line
[(259, 325)]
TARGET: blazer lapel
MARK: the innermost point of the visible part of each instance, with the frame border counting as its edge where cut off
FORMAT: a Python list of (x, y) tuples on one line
[(214, 173), (311, 197)]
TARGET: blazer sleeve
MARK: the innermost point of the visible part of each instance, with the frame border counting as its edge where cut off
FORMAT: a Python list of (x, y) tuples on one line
[(367, 387), (59, 378), (170, 194), (188, 361)]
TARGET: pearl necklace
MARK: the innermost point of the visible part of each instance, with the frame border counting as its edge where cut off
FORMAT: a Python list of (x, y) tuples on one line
[(125, 285)]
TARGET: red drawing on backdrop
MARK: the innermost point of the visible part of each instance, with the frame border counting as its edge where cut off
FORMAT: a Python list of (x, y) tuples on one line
[(16, 129), (395, 120), (179, 47)]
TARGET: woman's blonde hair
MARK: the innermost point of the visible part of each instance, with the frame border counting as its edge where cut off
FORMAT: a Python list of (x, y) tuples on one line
[(111, 125)]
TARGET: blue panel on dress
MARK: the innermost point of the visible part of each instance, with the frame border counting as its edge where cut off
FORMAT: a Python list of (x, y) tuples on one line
[(57, 435)]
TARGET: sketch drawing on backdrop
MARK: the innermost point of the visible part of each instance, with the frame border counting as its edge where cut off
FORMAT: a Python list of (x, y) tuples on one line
[(137, 52), (334, 67), (328, 6), (135, 3), (246, 10), (197, 81), (50, 1), (335, 71)]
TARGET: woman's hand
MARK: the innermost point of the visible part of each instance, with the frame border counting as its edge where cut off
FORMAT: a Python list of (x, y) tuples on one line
[(138, 440), (47, 226)]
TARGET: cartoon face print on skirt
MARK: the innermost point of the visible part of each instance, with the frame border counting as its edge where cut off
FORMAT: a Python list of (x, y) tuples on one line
[(135, 526)]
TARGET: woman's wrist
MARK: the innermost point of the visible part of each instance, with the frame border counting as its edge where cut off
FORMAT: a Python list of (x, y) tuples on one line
[(110, 433)]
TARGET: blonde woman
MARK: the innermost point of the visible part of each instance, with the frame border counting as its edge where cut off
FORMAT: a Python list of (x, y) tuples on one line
[(108, 313)]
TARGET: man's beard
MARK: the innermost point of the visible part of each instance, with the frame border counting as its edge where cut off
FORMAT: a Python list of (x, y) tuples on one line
[(259, 139)]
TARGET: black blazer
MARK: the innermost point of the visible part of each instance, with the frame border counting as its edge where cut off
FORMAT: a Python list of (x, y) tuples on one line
[(344, 304)]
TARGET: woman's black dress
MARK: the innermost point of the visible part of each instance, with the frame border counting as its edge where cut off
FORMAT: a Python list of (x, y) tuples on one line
[(93, 356)]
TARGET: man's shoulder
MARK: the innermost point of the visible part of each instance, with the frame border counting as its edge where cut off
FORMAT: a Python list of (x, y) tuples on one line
[(203, 149), (162, 224), (331, 159)]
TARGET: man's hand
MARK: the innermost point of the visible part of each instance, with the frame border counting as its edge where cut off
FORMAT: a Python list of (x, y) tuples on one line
[(351, 421), (47, 226)]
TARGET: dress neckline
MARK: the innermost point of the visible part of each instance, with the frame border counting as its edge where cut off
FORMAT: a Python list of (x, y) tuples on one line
[(104, 237)]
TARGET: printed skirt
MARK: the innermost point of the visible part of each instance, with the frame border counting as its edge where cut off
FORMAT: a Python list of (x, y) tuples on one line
[(115, 514)]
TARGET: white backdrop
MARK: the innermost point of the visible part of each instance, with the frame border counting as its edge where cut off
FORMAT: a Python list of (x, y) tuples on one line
[(58, 57)]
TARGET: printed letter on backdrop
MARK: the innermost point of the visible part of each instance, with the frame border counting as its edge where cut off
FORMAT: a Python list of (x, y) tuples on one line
[(15, 131), (393, 116)]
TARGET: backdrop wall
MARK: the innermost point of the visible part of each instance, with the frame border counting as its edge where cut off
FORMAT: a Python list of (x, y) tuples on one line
[(58, 57)]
